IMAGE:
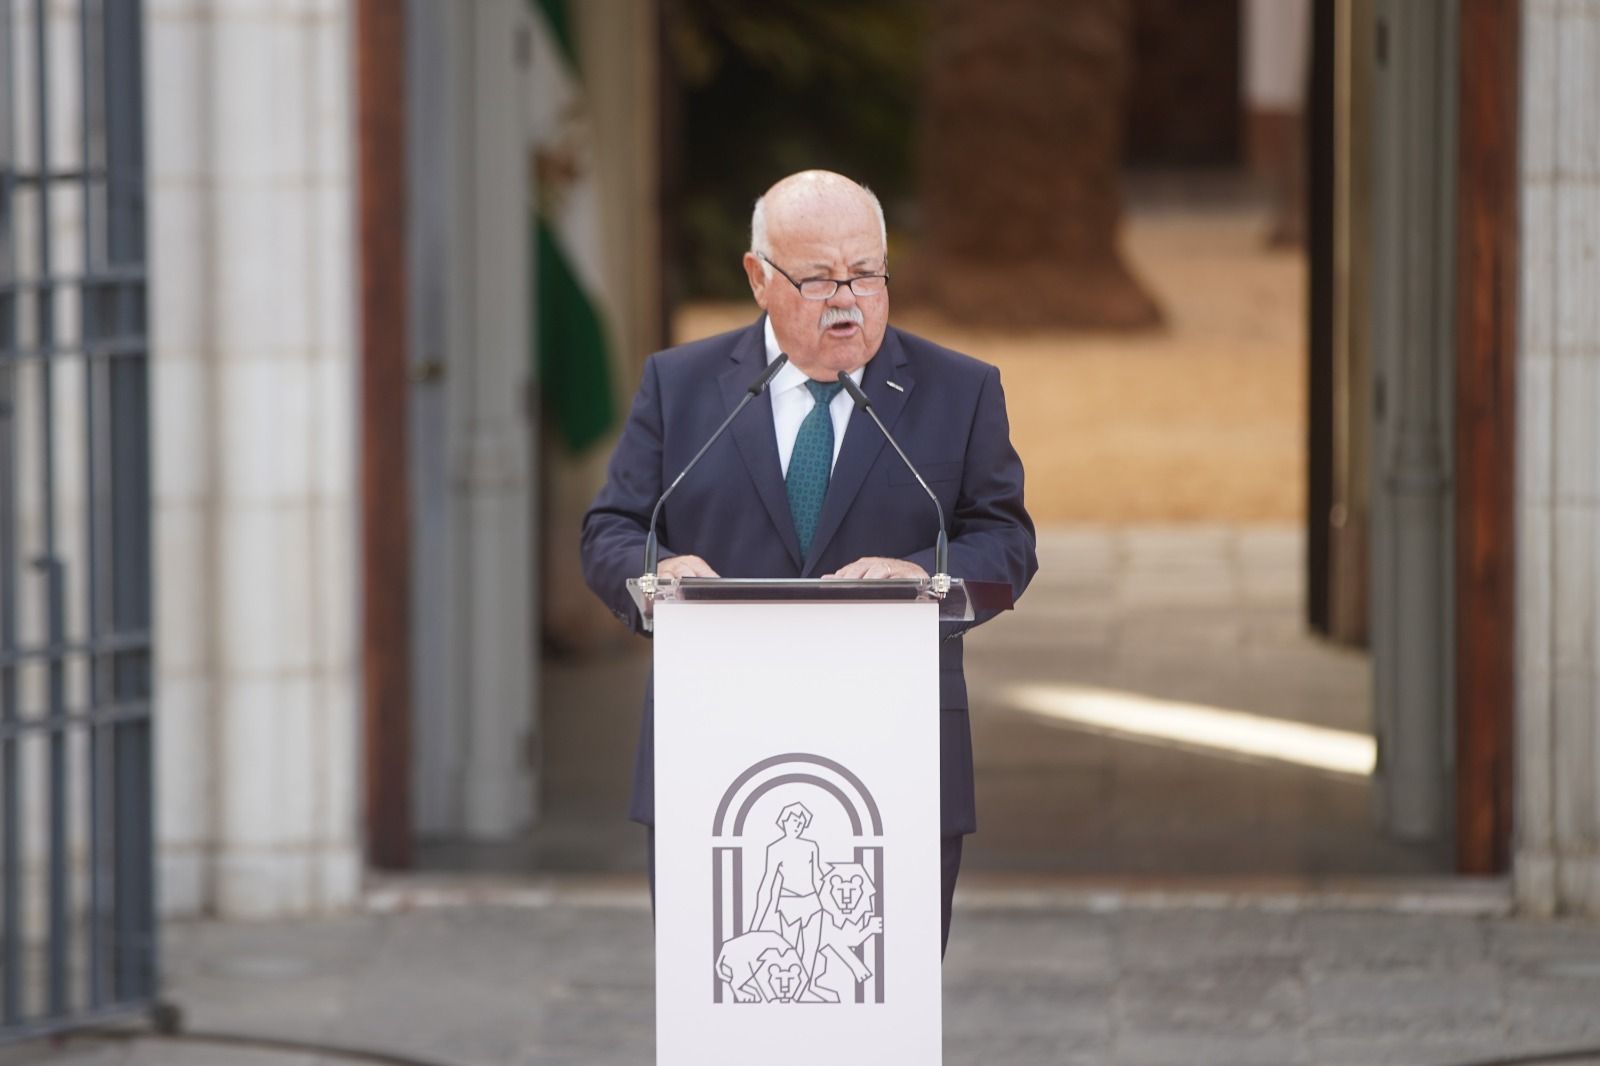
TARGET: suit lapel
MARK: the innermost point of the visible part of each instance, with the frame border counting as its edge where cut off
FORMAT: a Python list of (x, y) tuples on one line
[(753, 433), (862, 441)]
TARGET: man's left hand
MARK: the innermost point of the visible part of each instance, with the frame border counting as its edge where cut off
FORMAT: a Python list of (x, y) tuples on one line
[(873, 566)]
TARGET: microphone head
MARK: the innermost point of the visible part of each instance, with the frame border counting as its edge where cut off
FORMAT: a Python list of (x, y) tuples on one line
[(766, 376), (859, 397)]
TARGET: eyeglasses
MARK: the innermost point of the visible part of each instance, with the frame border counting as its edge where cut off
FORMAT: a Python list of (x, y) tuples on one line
[(824, 288)]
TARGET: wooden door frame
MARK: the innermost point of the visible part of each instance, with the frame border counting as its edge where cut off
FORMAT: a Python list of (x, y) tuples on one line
[(380, 58), (1320, 195), (1486, 349)]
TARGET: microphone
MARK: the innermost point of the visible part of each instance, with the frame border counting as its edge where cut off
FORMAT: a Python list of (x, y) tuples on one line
[(651, 548), (940, 583)]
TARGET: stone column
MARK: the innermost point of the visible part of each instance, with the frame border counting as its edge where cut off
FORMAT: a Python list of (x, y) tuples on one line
[(255, 520), (1557, 861)]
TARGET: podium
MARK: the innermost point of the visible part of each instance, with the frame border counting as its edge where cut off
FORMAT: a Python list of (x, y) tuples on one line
[(797, 818)]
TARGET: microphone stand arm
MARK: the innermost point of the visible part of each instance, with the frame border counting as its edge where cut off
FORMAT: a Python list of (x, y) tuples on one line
[(652, 549), (939, 584)]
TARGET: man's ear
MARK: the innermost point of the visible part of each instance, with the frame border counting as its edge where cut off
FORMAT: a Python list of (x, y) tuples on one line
[(755, 270)]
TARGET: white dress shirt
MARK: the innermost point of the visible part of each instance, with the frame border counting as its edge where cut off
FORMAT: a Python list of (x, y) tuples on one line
[(792, 401)]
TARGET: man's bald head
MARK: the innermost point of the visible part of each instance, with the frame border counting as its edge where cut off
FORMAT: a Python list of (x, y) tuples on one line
[(801, 199), (820, 225)]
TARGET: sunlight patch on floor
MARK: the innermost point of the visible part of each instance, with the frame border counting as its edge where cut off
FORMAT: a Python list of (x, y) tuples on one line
[(1194, 725)]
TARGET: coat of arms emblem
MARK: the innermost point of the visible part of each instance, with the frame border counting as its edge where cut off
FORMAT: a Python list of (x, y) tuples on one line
[(797, 882)]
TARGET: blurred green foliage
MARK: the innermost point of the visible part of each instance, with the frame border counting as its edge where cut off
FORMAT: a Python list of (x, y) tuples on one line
[(772, 87)]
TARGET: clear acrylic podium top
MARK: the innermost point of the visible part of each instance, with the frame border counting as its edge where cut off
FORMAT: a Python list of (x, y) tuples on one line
[(959, 604)]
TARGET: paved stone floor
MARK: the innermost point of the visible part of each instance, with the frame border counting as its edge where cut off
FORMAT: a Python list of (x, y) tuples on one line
[(560, 977), (1128, 900), (1182, 616), (1190, 621)]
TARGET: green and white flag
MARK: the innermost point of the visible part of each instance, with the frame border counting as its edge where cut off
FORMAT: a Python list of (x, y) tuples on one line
[(569, 332)]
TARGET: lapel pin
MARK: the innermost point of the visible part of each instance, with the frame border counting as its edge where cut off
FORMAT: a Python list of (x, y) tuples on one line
[(896, 386)]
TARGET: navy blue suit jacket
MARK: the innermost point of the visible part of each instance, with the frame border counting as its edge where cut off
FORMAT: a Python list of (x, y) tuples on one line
[(948, 413)]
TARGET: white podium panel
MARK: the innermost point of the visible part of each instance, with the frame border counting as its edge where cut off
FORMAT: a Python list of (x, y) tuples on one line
[(797, 833)]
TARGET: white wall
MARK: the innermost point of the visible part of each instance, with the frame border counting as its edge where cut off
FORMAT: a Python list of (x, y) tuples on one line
[(1558, 459), (249, 135), (1277, 54)]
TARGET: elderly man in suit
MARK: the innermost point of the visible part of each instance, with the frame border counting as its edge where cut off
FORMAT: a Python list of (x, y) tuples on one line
[(803, 485)]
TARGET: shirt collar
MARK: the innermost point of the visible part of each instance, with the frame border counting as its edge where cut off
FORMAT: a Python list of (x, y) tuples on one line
[(791, 376)]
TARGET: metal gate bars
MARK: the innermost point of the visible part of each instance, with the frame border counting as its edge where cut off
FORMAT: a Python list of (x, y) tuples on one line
[(77, 903)]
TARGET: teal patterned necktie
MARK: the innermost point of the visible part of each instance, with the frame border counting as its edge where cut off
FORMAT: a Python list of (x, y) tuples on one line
[(811, 462)]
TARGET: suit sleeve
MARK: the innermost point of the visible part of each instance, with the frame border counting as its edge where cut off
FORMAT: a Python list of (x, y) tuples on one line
[(616, 524), (991, 536)]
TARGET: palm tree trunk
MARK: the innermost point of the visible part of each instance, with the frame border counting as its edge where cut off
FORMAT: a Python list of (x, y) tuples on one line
[(1021, 153)]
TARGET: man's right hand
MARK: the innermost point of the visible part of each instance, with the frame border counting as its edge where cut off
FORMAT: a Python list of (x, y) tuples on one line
[(684, 566)]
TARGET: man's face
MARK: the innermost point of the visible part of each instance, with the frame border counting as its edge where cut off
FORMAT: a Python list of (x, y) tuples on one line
[(824, 338)]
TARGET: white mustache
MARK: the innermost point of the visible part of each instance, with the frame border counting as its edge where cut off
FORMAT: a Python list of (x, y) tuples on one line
[(832, 316)]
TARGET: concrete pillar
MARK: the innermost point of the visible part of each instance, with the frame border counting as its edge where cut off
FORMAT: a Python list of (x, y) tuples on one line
[(1413, 226), (495, 455), (1277, 58), (255, 519), (1277, 49), (473, 454), (1557, 851)]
